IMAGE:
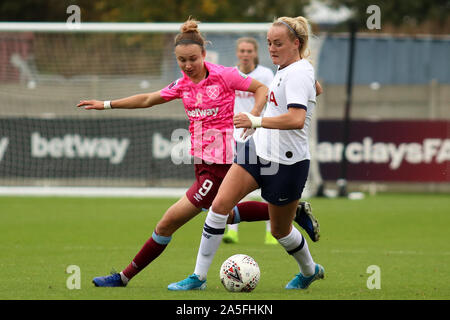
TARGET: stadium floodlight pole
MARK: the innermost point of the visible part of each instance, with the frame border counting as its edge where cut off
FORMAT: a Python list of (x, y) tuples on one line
[(342, 181)]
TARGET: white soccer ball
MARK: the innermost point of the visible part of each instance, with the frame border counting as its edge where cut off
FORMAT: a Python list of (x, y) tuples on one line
[(240, 273)]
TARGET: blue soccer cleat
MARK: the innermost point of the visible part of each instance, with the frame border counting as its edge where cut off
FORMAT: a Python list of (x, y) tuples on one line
[(306, 220), (302, 282), (113, 280), (190, 283)]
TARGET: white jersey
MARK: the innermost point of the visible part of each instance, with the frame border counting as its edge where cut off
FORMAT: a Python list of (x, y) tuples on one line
[(292, 86), (245, 101)]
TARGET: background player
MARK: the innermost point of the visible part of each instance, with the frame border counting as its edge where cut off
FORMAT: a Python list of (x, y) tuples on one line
[(247, 54)]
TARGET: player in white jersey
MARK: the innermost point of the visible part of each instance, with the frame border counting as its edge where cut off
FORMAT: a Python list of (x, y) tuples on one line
[(247, 54), (277, 161)]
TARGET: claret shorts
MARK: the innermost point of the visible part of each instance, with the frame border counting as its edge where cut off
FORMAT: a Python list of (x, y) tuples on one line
[(208, 178)]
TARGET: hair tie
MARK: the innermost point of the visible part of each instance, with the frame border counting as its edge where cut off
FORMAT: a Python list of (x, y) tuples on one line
[(292, 30)]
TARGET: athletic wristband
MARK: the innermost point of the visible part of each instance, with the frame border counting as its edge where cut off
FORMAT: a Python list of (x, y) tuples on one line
[(107, 104), (256, 121)]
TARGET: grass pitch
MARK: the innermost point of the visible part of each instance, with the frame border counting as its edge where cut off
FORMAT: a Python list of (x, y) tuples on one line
[(405, 235)]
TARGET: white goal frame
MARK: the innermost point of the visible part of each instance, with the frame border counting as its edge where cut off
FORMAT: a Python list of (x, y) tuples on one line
[(129, 27)]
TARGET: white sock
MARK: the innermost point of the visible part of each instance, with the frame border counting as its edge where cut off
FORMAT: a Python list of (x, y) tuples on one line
[(268, 225), (296, 246), (233, 227), (123, 278), (212, 235)]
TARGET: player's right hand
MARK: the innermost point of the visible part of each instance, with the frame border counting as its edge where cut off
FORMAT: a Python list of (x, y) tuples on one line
[(91, 104)]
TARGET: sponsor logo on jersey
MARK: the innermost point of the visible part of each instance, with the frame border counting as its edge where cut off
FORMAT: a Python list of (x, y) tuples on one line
[(203, 112), (186, 95)]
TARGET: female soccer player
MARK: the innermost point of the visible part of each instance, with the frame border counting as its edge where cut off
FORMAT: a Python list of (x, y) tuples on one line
[(276, 158), (247, 54), (208, 92)]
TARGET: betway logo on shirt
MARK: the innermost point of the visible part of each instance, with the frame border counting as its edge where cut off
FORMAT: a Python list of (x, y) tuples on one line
[(197, 112)]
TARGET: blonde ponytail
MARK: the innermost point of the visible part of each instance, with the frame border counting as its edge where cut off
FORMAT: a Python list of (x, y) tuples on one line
[(298, 29)]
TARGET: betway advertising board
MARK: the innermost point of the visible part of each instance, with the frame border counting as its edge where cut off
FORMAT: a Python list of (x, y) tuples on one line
[(152, 149), (85, 148)]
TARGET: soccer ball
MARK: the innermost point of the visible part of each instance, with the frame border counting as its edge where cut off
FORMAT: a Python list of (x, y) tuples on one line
[(239, 273)]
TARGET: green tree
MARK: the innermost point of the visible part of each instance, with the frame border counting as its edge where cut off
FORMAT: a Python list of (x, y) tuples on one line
[(152, 11)]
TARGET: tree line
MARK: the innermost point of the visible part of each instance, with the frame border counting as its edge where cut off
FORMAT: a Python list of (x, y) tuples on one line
[(418, 16)]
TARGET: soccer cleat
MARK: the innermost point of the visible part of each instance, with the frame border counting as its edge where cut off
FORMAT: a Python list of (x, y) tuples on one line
[(231, 236), (302, 282), (306, 220), (113, 280), (270, 238), (190, 283)]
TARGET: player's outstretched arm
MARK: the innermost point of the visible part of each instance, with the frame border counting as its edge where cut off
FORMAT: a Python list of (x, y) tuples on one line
[(144, 100)]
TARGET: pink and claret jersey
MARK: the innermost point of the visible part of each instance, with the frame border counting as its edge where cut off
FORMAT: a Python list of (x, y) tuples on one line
[(209, 105)]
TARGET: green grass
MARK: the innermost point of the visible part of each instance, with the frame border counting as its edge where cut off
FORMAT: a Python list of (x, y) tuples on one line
[(406, 235)]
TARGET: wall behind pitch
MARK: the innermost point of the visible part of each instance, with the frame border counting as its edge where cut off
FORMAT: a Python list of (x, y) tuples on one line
[(153, 150)]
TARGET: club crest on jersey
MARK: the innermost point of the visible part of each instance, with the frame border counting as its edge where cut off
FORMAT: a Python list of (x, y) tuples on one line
[(213, 91)]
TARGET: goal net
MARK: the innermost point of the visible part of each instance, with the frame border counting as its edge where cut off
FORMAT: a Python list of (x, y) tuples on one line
[(46, 69)]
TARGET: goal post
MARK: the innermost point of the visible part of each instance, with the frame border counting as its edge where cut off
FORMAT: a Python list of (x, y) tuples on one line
[(47, 68)]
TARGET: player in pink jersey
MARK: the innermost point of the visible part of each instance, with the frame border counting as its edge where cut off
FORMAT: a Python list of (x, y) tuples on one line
[(209, 104), (208, 92)]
